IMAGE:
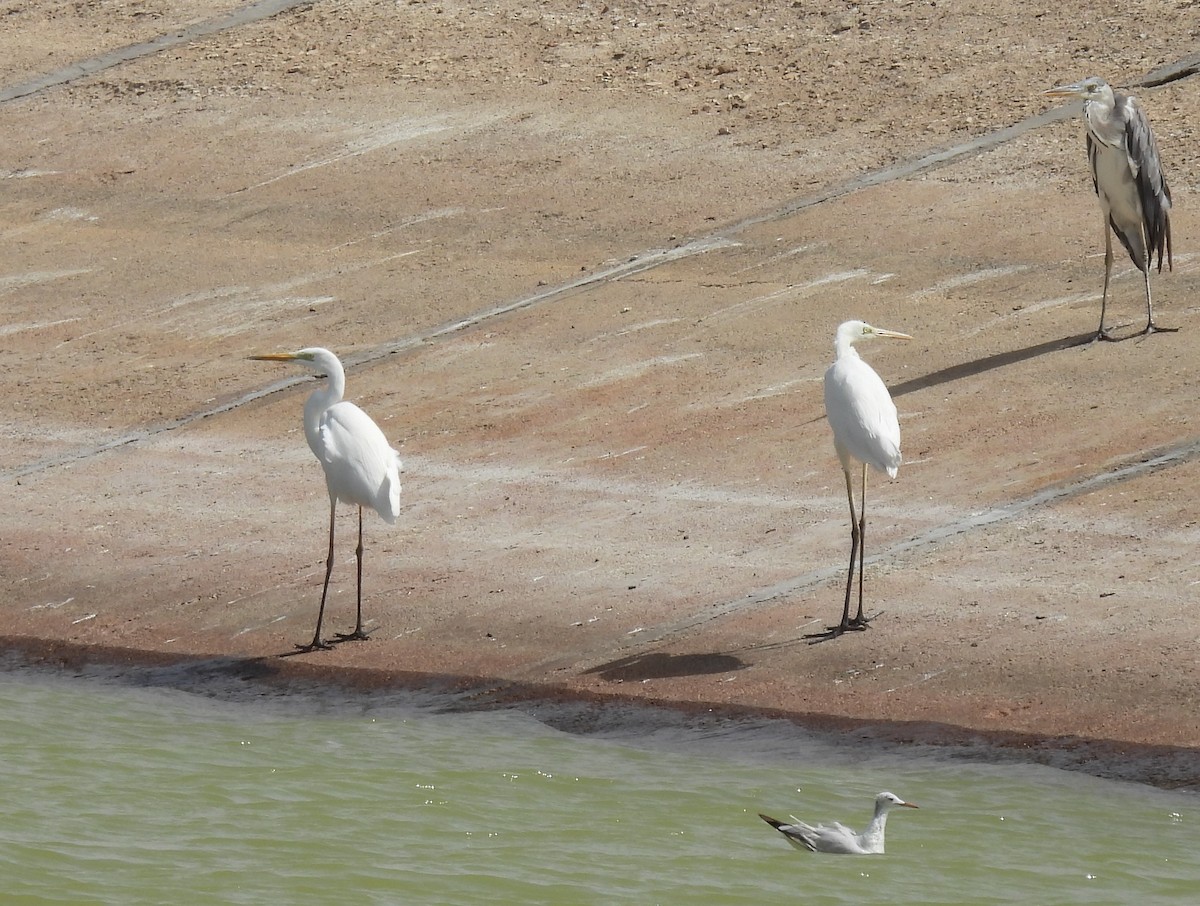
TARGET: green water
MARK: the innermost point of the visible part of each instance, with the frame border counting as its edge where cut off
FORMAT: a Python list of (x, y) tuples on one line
[(118, 794)]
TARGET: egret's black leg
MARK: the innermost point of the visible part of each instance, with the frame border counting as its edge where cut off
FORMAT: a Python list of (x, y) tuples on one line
[(860, 621), (316, 641), (358, 633), (855, 543), (855, 553)]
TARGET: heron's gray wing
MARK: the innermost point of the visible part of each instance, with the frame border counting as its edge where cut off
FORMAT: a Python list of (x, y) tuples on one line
[(1148, 174), (1093, 148)]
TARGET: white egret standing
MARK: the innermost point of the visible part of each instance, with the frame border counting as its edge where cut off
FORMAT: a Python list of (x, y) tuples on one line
[(865, 428), (361, 468), (836, 837), (1128, 177)]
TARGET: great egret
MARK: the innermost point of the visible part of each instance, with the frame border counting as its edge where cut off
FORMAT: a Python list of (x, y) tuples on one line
[(865, 428), (836, 837), (361, 468), (1128, 177)]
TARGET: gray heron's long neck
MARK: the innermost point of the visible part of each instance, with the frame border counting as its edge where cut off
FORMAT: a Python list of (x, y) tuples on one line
[(317, 403), (1102, 123)]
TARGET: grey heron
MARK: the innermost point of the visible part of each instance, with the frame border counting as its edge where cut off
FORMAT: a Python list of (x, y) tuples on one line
[(865, 429), (1128, 177), (836, 837), (361, 468)]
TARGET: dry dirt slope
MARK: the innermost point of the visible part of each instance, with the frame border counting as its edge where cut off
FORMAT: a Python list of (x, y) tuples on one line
[(625, 487)]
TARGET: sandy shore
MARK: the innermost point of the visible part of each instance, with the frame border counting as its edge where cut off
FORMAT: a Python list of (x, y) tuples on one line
[(584, 263)]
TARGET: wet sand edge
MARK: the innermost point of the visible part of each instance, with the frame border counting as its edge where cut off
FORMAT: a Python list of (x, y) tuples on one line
[(585, 712)]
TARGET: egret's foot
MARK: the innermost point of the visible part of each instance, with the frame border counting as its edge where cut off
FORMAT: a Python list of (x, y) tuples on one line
[(857, 624), (357, 636), (814, 638), (315, 645), (1105, 337), (833, 632)]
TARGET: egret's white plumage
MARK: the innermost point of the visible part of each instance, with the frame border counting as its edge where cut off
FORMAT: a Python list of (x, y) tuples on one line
[(1128, 177), (361, 468), (836, 837), (865, 430)]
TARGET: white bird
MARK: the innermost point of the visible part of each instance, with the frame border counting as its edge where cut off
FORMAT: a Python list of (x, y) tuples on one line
[(1128, 177), (836, 837), (865, 428), (361, 468)]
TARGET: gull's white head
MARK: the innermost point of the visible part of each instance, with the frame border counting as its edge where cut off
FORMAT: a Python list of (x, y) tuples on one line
[(887, 801)]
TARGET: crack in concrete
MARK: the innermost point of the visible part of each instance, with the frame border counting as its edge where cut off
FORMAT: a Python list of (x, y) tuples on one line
[(244, 15)]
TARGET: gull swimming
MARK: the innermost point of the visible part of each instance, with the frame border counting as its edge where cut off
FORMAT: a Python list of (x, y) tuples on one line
[(836, 837)]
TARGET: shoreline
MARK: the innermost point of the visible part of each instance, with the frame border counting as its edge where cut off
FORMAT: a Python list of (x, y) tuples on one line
[(584, 712)]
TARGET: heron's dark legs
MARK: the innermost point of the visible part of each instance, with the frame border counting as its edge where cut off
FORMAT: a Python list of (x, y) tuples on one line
[(316, 642), (1101, 333), (1151, 327), (358, 633)]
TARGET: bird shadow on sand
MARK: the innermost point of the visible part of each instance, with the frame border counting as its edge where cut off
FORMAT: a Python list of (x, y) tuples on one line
[(813, 638), (657, 665), (988, 363)]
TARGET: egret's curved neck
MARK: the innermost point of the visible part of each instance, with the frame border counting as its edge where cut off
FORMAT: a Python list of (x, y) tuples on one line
[(320, 400), (845, 348)]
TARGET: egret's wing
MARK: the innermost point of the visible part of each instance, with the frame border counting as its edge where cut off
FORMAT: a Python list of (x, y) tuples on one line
[(360, 465), (1152, 187), (862, 414)]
